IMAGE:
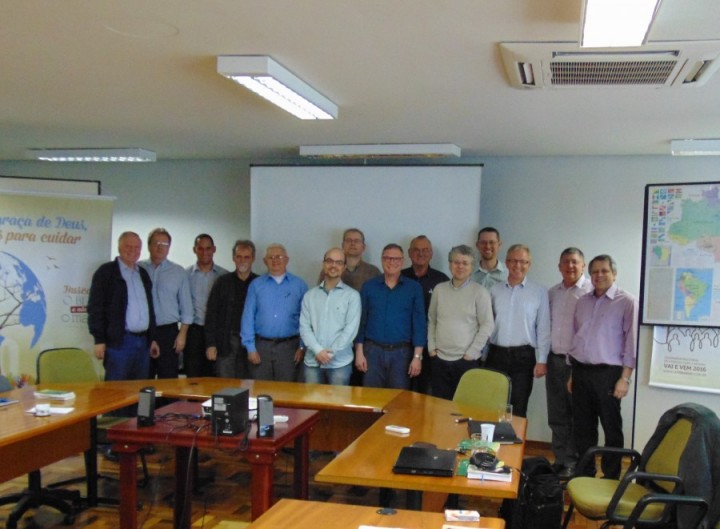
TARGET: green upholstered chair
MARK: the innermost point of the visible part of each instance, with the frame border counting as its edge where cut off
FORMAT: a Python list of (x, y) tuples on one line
[(648, 493), (484, 388)]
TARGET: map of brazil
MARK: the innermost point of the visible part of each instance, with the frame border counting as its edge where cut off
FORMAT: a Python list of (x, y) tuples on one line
[(682, 254)]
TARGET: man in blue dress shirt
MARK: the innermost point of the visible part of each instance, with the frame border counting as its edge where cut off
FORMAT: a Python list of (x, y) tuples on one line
[(520, 343), (271, 320), (393, 328), (173, 304)]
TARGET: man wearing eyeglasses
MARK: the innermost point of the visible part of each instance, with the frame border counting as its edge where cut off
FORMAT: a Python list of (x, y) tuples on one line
[(393, 328), (224, 312), (491, 269), (329, 321), (460, 321), (173, 304), (520, 343), (271, 320), (421, 253)]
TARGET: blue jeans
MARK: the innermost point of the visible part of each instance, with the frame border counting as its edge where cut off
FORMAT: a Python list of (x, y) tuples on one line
[(387, 368), (339, 376), (129, 361)]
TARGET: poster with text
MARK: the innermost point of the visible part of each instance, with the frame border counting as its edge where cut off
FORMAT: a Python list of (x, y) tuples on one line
[(686, 358), (50, 245)]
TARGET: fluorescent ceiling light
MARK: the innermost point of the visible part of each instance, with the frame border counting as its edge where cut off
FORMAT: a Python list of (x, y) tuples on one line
[(617, 23), (267, 78), (381, 150), (94, 155), (709, 147)]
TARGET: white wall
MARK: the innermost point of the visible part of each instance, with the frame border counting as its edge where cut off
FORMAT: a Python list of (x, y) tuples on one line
[(595, 203)]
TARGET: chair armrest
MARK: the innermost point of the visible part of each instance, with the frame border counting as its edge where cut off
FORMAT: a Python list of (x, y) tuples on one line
[(641, 476), (634, 456), (671, 500)]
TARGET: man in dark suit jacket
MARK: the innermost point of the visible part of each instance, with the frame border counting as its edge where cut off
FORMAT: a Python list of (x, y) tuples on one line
[(121, 318)]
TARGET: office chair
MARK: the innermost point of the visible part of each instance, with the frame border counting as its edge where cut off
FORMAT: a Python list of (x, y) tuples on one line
[(67, 365), (672, 483), (483, 388)]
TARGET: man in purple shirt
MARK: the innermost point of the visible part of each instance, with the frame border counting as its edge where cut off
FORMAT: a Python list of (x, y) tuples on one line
[(603, 358), (563, 298)]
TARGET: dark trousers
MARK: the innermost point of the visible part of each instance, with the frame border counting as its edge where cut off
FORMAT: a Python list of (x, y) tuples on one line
[(387, 366), (277, 360), (518, 363), (167, 364), (559, 408), (593, 387), (195, 360), (423, 382), (233, 363), (446, 375)]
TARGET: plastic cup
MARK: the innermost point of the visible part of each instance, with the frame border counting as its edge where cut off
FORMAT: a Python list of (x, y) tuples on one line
[(42, 410), (487, 432), (505, 413)]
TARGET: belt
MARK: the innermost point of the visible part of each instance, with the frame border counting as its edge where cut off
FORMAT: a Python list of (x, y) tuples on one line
[(142, 334), (167, 325), (390, 346), (514, 349), (277, 340), (582, 365)]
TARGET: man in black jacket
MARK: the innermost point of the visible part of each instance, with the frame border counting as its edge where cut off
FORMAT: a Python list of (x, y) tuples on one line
[(121, 318)]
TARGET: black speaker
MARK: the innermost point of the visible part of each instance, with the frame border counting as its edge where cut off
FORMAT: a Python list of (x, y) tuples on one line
[(229, 411), (146, 407), (266, 421)]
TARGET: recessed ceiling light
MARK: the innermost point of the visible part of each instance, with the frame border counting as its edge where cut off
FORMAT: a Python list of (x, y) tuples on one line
[(94, 155)]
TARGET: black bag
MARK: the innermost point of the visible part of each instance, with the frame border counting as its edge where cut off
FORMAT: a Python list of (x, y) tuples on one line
[(539, 504)]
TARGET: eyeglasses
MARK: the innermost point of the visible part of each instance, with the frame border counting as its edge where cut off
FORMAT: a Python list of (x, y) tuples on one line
[(336, 262), (521, 262), (161, 243), (276, 257), (461, 263), (390, 259)]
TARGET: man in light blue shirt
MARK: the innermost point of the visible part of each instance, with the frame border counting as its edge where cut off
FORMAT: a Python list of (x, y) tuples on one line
[(329, 321), (172, 301), (491, 270), (202, 276), (520, 343), (271, 320)]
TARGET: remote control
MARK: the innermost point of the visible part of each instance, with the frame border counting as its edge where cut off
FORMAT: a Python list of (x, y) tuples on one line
[(397, 429)]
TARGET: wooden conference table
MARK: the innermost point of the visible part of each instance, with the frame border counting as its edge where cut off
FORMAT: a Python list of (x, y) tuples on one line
[(368, 461), (186, 432), (313, 514), (351, 419), (29, 443)]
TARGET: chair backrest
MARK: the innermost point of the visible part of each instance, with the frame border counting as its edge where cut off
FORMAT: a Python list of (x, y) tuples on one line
[(5, 384), (484, 388), (665, 459), (65, 365)]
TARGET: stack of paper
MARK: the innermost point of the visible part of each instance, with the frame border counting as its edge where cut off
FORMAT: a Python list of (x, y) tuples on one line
[(499, 473), (54, 394)]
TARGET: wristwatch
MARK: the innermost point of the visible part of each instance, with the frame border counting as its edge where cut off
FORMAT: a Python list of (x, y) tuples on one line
[(627, 379), (418, 356)]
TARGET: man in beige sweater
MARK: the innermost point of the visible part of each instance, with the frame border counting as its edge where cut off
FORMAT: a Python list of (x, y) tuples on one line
[(460, 321)]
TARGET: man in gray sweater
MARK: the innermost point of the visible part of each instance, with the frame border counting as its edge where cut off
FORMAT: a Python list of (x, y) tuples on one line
[(460, 321)]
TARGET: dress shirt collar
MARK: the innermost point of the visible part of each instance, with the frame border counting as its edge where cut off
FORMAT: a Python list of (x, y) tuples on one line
[(123, 266), (580, 283), (610, 292), (340, 285)]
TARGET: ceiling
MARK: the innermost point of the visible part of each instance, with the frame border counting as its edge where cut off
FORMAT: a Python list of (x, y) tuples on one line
[(141, 73)]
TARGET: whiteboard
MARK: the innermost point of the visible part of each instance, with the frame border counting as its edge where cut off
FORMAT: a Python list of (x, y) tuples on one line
[(307, 208), (48, 185)]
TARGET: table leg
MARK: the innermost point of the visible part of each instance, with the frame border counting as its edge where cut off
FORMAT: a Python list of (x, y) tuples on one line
[(128, 485), (184, 473), (261, 483), (301, 466), (91, 466)]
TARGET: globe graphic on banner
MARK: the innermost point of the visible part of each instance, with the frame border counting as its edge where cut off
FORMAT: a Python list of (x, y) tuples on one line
[(23, 310)]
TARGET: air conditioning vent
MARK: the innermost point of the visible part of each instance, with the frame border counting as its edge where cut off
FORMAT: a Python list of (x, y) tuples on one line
[(565, 65)]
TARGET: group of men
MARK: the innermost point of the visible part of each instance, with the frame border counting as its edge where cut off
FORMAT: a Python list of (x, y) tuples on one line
[(396, 327)]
